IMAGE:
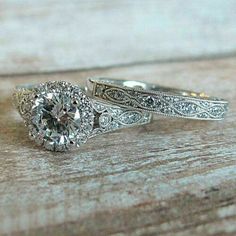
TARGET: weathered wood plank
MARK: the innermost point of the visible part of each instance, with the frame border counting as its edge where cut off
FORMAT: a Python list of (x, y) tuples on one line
[(60, 35), (170, 177)]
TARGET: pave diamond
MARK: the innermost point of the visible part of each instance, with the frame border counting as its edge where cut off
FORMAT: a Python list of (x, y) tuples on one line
[(130, 117), (60, 115)]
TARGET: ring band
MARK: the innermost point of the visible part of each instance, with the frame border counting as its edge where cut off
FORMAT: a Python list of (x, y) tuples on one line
[(161, 100), (60, 116)]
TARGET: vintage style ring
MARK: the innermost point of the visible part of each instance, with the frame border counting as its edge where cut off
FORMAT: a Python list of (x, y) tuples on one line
[(161, 100), (60, 116)]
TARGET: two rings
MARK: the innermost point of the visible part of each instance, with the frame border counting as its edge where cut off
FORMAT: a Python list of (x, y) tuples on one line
[(61, 116)]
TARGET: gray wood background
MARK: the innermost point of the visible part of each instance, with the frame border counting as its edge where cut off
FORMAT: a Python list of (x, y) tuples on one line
[(172, 177), (62, 35)]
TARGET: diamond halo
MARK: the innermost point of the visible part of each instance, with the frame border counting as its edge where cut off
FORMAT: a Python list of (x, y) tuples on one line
[(62, 116)]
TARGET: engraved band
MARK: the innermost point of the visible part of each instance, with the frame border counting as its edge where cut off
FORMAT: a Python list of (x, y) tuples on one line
[(158, 99)]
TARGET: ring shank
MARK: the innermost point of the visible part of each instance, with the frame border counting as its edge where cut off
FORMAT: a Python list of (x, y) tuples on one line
[(151, 87), (158, 99)]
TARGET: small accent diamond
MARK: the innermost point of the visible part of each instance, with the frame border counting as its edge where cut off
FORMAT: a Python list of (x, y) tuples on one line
[(104, 120)]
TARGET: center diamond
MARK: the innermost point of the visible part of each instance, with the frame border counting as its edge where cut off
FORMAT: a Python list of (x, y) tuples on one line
[(62, 116)]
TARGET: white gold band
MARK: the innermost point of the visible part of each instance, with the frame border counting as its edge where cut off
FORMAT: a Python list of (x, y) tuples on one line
[(161, 100)]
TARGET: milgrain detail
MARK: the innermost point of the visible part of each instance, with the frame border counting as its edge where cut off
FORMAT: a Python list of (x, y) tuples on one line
[(163, 103)]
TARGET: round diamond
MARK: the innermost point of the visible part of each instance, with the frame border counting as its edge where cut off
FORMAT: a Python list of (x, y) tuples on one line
[(150, 101), (60, 115), (104, 120)]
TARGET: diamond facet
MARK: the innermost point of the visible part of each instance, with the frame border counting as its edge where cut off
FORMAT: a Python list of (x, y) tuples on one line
[(61, 112)]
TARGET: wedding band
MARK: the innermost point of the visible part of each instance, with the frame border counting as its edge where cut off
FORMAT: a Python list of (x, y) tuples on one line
[(161, 100), (60, 116)]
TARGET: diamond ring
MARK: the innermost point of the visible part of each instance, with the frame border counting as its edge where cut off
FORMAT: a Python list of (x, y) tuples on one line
[(161, 100), (60, 116)]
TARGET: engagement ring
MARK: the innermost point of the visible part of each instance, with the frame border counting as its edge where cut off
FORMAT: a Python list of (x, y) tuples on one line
[(60, 116)]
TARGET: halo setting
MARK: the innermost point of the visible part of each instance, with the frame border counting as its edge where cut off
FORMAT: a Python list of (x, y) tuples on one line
[(61, 116)]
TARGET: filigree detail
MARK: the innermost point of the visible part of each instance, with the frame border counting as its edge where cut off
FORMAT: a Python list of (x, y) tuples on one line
[(164, 103), (112, 118), (23, 100)]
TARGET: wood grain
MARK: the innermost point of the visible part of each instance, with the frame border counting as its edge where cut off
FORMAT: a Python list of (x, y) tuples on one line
[(39, 36), (172, 177)]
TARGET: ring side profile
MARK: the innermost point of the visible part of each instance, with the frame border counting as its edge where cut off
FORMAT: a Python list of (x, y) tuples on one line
[(60, 116), (157, 99)]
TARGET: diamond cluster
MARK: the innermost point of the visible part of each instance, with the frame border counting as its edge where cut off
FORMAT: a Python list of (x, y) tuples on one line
[(61, 116)]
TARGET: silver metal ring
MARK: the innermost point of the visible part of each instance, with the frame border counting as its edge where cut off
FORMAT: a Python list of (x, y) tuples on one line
[(161, 100), (60, 116)]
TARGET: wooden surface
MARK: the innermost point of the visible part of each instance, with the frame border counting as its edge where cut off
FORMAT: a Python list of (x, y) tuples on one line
[(172, 177), (46, 35)]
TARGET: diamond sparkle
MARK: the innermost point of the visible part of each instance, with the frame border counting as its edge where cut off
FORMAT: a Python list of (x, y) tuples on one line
[(60, 115)]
